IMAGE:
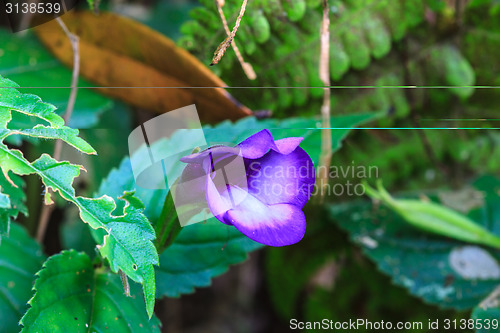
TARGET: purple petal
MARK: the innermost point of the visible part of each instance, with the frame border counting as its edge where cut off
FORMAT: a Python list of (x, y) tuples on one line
[(222, 197), (275, 225), (217, 204), (282, 179), (287, 145), (257, 145), (215, 153)]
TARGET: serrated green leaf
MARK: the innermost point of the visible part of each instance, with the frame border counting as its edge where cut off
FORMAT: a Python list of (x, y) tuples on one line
[(13, 201), (27, 62), (68, 135), (72, 296), (12, 100), (20, 258), (441, 271), (127, 244)]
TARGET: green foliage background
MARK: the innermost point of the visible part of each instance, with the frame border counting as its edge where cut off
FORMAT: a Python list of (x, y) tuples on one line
[(394, 64)]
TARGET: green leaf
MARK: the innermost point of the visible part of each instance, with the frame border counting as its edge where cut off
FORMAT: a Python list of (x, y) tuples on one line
[(204, 250), (295, 9), (340, 61), (20, 258), (442, 271), (378, 36), (200, 252), (357, 48), (457, 70), (27, 62), (68, 135), (486, 315), (127, 244), (72, 296), (260, 27), (167, 227), (31, 105), (12, 199)]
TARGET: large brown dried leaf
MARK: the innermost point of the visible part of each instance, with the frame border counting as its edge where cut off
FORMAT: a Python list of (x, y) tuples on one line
[(118, 52)]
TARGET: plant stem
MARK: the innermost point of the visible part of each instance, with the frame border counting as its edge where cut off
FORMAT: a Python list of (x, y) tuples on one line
[(221, 49), (74, 40), (324, 74)]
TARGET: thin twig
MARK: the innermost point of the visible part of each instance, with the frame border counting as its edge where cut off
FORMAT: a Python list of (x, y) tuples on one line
[(221, 49), (76, 69), (125, 283), (247, 67), (324, 73), (74, 40)]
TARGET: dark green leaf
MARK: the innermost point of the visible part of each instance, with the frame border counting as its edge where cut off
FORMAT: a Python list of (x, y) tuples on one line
[(20, 258), (486, 315), (440, 270), (12, 201), (72, 296)]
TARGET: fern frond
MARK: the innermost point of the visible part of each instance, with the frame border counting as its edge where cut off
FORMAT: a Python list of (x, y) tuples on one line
[(280, 38)]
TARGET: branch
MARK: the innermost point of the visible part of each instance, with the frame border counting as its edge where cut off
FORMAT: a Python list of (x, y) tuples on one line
[(74, 40), (324, 74), (221, 49)]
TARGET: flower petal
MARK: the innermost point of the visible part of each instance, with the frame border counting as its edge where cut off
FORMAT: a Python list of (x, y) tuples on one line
[(257, 145), (217, 204), (282, 179), (275, 225), (287, 145), (216, 153)]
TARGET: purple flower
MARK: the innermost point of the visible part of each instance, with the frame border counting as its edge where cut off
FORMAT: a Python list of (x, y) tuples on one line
[(260, 186)]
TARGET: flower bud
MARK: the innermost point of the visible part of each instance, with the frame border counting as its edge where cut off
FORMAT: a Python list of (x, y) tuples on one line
[(435, 218)]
